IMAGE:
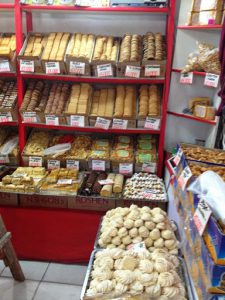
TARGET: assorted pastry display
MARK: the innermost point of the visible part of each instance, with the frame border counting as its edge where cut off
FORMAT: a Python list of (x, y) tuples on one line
[(198, 169), (106, 49), (7, 45), (149, 101), (154, 46), (120, 273), (23, 180), (9, 146), (35, 45), (37, 143), (102, 184), (144, 186), (131, 48), (8, 95), (103, 102), (125, 103), (123, 150), (146, 150), (81, 46)]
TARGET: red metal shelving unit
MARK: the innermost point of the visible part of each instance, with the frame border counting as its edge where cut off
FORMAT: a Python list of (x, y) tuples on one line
[(190, 117), (7, 6), (170, 24), (201, 27), (194, 72)]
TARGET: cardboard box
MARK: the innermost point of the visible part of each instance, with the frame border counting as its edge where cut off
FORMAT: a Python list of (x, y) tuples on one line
[(8, 199), (91, 203), (43, 201)]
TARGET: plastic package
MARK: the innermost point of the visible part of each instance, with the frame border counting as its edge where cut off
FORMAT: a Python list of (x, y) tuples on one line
[(57, 149), (9, 146), (210, 187)]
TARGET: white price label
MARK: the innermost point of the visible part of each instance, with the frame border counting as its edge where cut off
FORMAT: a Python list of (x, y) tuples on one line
[(52, 120), (186, 78), (30, 117), (27, 66), (152, 70), (53, 164), (119, 124), (201, 216), (178, 156), (5, 117), (77, 67), (102, 123), (184, 177), (149, 167), (138, 247), (106, 182), (125, 168), (4, 159), (98, 165), (152, 123), (52, 68), (211, 80), (65, 181), (77, 121), (4, 66), (132, 71), (35, 161), (104, 70), (73, 164), (148, 193)]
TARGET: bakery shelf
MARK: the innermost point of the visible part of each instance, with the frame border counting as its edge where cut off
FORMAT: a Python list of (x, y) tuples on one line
[(124, 9), (7, 6), (93, 129), (194, 72), (201, 27), (185, 116), (8, 124), (7, 74), (115, 80)]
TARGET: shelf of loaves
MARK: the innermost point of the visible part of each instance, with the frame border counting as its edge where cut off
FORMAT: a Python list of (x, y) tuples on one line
[(121, 154), (79, 54), (83, 105)]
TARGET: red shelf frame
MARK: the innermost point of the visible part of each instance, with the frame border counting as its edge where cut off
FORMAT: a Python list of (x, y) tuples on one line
[(114, 80), (125, 9), (93, 129), (5, 74), (194, 72), (200, 27), (170, 26), (7, 6), (9, 124), (191, 118)]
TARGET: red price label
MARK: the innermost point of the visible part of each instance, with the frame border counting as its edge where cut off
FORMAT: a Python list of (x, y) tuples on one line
[(119, 124), (72, 164), (4, 159), (98, 165), (30, 117), (52, 68), (35, 161), (149, 167), (77, 121), (77, 67), (132, 71), (211, 80), (53, 164), (4, 66), (102, 123), (104, 70), (152, 123), (27, 66), (186, 78), (5, 117), (152, 70), (52, 120), (125, 168)]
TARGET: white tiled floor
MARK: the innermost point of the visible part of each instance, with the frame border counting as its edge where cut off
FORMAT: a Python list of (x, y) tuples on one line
[(44, 281)]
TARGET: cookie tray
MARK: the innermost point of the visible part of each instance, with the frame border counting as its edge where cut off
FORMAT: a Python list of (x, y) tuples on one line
[(182, 271)]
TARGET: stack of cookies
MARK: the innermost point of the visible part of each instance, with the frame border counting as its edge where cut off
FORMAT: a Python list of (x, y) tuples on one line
[(125, 104), (103, 103), (56, 46), (32, 96), (57, 99), (106, 48), (149, 103), (81, 46), (78, 100), (8, 94), (130, 48), (35, 45), (154, 48)]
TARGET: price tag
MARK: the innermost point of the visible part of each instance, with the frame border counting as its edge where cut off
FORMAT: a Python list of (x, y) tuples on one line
[(77, 121), (5, 117), (4, 159), (148, 193), (98, 165), (125, 168), (52, 68), (27, 66), (201, 216), (64, 181), (30, 117), (104, 70), (53, 164), (132, 71), (35, 161), (152, 123), (52, 120), (184, 177), (211, 80), (186, 78), (4, 66), (106, 182), (102, 123), (178, 156), (152, 70), (77, 67), (119, 124), (149, 167), (73, 164), (137, 247)]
